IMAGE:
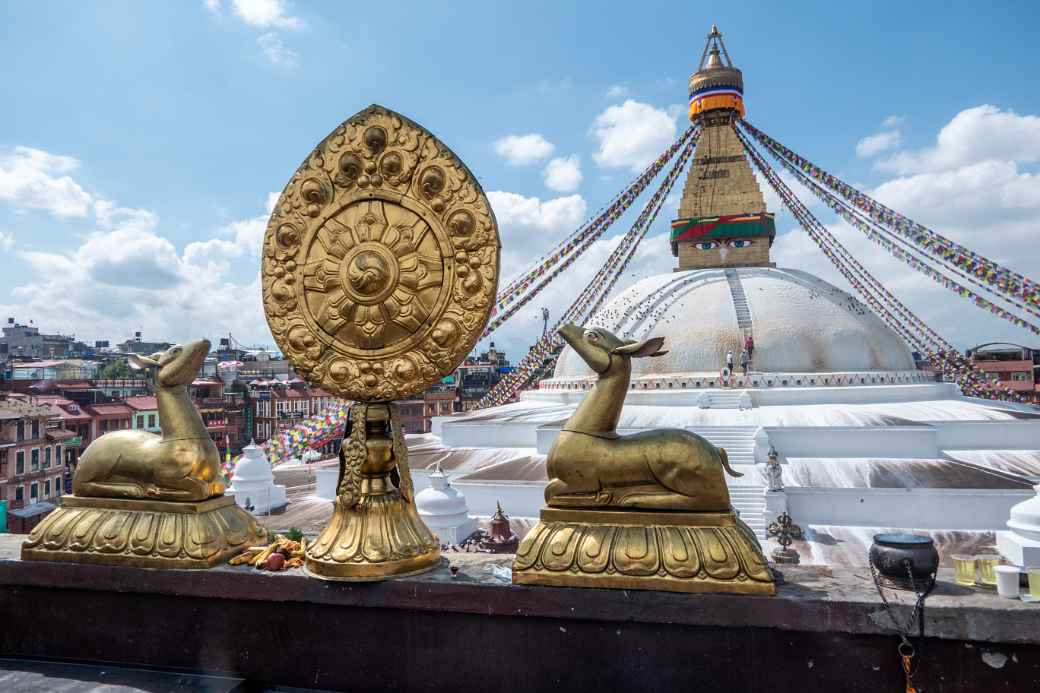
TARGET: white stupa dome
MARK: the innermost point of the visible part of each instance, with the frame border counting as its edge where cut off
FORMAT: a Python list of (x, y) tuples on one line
[(444, 509), (801, 324), (252, 484), (253, 466)]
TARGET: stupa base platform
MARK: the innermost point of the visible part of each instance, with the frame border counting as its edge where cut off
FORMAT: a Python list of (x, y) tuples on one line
[(143, 533), (619, 549)]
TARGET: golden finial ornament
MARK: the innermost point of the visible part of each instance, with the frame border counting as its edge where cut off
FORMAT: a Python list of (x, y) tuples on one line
[(379, 272), (147, 500), (645, 511)]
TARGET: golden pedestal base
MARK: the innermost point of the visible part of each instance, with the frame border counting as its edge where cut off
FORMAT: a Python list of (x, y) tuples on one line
[(381, 537), (143, 533), (618, 549)]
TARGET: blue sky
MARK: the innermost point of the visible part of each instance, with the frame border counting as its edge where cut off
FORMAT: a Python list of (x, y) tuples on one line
[(140, 141)]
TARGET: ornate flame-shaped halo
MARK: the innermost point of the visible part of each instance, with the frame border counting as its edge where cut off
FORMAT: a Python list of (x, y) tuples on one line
[(380, 261)]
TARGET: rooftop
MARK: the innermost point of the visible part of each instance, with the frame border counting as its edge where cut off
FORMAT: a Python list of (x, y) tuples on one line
[(142, 403)]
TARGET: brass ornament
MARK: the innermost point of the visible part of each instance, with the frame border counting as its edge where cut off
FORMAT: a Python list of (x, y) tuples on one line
[(677, 552), (146, 500), (143, 534), (380, 261), (379, 272), (646, 511)]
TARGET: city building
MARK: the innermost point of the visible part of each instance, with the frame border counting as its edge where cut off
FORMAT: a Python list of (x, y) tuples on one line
[(107, 417), (26, 341), (32, 468), (21, 375), (1010, 366), (277, 406), (145, 410), (137, 345)]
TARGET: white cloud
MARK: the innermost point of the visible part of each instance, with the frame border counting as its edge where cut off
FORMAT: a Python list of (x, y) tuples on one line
[(276, 52), (872, 145), (125, 275), (522, 150), (893, 121), (618, 91), (631, 135), (563, 174), (982, 133), (212, 5), (35, 179), (518, 213), (265, 13)]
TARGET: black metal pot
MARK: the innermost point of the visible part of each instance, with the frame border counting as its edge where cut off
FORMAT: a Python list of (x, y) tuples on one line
[(892, 555)]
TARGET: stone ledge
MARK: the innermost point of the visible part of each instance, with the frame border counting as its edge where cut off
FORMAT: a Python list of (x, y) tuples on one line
[(811, 599)]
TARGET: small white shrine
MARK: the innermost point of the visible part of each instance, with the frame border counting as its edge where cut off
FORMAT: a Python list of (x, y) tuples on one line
[(253, 484), (444, 509), (1021, 543)]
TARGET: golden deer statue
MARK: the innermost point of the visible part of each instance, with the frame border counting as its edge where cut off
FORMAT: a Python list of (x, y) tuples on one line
[(146, 500), (644, 511), (181, 464), (590, 465)]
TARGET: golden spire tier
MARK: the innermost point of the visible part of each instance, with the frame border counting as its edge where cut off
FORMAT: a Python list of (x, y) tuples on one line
[(723, 221), (716, 84)]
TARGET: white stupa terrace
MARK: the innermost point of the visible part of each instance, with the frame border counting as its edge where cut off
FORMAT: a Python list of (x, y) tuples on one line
[(865, 439)]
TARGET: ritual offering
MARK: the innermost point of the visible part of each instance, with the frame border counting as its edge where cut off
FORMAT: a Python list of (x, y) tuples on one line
[(380, 267), (645, 511), (147, 500)]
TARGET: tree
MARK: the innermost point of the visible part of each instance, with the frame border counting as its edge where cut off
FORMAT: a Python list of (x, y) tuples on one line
[(117, 370)]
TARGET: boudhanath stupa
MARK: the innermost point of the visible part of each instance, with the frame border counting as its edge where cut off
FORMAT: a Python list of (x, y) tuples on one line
[(865, 439)]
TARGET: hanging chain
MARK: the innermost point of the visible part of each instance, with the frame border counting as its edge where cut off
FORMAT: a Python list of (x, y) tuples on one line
[(906, 649)]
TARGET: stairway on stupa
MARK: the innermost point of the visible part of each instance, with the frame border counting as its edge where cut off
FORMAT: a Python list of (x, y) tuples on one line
[(740, 304), (747, 492)]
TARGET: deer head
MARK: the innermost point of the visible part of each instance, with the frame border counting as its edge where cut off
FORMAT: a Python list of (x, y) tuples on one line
[(177, 365), (600, 349)]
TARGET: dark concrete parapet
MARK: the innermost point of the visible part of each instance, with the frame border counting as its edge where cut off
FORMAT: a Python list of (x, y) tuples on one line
[(823, 627)]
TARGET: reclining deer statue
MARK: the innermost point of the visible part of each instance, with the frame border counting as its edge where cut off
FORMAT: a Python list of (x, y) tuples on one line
[(590, 465), (182, 464)]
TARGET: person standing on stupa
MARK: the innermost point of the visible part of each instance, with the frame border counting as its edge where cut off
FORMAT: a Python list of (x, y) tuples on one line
[(744, 359), (749, 345), (729, 360)]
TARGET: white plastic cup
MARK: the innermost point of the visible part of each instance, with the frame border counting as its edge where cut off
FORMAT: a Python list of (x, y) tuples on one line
[(1007, 581)]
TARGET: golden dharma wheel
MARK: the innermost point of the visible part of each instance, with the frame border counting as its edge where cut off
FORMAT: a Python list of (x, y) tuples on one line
[(380, 260)]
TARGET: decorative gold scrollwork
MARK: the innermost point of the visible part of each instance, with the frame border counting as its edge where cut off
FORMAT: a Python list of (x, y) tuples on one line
[(381, 260)]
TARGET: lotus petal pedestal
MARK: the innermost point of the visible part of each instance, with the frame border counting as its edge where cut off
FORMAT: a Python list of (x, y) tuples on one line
[(619, 549), (379, 538), (143, 533)]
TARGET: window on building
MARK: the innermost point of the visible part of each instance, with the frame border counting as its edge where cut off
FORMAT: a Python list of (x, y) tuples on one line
[(47, 488), (104, 426), (3, 464), (19, 492), (34, 460), (57, 455), (34, 492), (19, 462), (151, 421), (35, 429), (1019, 377), (47, 458), (20, 431), (58, 490)]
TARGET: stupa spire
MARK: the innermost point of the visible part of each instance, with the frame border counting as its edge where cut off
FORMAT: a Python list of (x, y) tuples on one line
[(717, 84), (723, 220)]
